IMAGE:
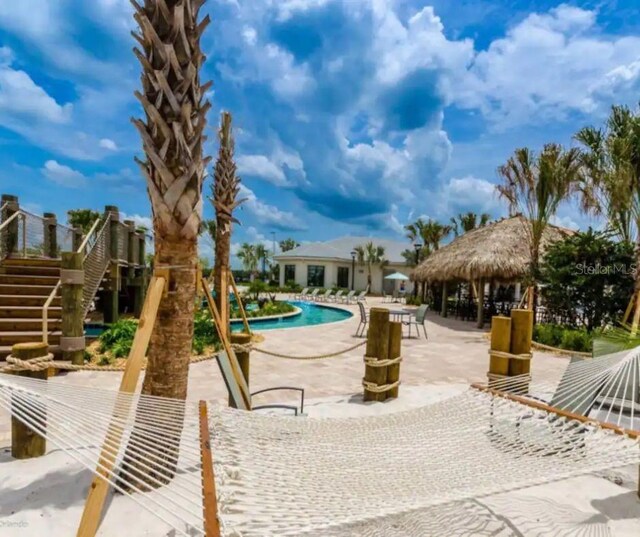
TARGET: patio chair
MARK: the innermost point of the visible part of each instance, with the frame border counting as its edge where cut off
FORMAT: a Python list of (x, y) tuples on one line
[(362, 297), (326, 297), (364, 320), (347, 298), (387, 299), (301, 295), (313, 294), (337, 297), (418, 321)]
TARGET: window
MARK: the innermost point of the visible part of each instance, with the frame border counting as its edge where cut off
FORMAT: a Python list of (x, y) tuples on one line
[(315, 276), (289, 273), (343, 277)]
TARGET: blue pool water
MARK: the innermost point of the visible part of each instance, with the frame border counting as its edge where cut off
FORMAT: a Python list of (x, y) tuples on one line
[(311, 314)]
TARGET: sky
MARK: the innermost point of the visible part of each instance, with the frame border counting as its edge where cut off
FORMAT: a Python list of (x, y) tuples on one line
[(351, 116)]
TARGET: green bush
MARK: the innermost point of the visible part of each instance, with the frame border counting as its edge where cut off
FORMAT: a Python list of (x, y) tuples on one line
[(204, 332), (577, 340), (118, 338), (413, 300), (548, 334), (554, 335)]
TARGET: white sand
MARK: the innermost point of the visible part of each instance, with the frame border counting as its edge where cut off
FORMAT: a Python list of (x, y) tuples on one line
[(45, 496)]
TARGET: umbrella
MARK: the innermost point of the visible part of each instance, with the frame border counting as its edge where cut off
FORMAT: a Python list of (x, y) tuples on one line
[(396, 276)]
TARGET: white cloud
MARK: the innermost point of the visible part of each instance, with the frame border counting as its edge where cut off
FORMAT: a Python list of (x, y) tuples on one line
[(63, 175), (142, 221), (269, 215), (469, 194), (261, 166), (106, 143)]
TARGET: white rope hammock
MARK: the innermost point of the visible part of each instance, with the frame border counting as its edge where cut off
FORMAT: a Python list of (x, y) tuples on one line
[(279, 475)]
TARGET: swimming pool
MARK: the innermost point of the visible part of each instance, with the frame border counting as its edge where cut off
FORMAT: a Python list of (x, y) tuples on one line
[(310, 315)]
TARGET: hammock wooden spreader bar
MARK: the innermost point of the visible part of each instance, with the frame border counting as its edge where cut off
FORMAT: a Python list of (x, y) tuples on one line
[(209, 497), (538, 405)]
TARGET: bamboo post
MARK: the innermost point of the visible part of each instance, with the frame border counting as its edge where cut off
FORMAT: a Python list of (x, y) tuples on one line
[(443, 306), (501, 342), (100, 485), (25, 442), (209, 496), (395, 350), (72, 341), (521, 336), (243, 356), (480, 311), (377, 348), (50, 223)]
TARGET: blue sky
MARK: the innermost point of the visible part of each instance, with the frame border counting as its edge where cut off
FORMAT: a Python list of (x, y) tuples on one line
[(351, 116)]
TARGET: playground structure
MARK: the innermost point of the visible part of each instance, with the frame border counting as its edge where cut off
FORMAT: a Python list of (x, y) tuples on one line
[(50, 275)]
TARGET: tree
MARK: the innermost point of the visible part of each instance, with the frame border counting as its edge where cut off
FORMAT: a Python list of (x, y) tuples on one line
[(535, 185), (247, 254), (288, 244), (369, 254), (262, 254), (431, 232), (225, 189), (82, 218), (466, 222), (412, 258), (587, 279), (175, 109)]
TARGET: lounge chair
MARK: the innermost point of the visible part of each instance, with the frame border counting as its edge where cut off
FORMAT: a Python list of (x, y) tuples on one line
[(337, 297), (313, 294), (325, 297), (362, 297), (347, 298), (364, 321), (301, 295), (387, 299), (418, 321)]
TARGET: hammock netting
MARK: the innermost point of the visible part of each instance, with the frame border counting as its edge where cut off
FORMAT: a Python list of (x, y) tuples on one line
[(407, 473)]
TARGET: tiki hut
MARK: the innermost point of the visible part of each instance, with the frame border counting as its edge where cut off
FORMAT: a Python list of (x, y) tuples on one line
[(498, 252)]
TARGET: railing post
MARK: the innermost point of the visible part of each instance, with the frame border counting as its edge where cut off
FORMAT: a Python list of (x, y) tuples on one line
[(143, 272), (72, 342), (10, 234), (78, 237), (50, 224), (111, 305)]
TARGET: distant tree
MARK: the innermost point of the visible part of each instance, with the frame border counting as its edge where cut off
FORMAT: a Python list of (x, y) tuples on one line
[(262, 255), (369, 254), (466, 222), (209, 228), (82, 218), (588, 278), (247, 254), (431, 233), (288, 244), (412, 258)]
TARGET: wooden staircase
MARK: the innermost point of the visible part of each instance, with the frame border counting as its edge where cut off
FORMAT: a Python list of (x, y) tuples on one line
[(25, 286)]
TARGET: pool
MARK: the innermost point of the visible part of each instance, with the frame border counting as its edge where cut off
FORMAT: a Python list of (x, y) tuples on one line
[(311, 314)]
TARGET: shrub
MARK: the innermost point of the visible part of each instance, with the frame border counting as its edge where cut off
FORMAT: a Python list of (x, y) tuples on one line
[(554, 335), (118, 338), (577, 340), (414, 300), (548, 334), (204, 332)]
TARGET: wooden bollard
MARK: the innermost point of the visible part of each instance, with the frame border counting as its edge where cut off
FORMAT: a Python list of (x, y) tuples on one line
[(395, 350), (377, 348), (72, 341), (25, 442), (501, 342), (521, 336), (241, 338)]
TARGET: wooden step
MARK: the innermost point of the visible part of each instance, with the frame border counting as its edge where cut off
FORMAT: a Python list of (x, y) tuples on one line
[(28, 312), (39, 290), (7, 339), (33, 270), (31, 261), (6, 351), (28, 325), (28, 300), (28, 279)]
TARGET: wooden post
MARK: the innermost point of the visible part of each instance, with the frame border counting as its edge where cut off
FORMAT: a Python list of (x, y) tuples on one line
[(521, 336), (72, 341), (25, 442), (377, 348), (480, 303), (99, 486), (12, 230), (443, 306), (224, 300), (243, 357), (395, 350), (500, 341), (243, 313), (111, 291), (78, 237), (209, 496), (50, 224)]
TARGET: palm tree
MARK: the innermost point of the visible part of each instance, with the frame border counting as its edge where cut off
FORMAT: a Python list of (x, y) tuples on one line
[(370, 255), (288, 244), (175, 110), (466, 222), (262, 254), (431, 232), (247, 254), (224, 197), (534, 186)]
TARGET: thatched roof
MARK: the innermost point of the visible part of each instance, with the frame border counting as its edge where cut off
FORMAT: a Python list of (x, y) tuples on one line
[(499, 251)]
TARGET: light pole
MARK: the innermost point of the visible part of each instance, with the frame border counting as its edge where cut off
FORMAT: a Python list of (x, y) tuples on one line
[(353, 269), (418, 247)]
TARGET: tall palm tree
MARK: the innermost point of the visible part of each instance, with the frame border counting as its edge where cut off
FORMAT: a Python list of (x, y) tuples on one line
[(431, 232), (466, 222), (247, 254), (262, 254), (224, 197), (172, 132), (534, 186), (288, 244), (370, 255)]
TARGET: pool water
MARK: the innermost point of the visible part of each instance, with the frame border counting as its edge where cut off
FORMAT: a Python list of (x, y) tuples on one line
[(311, 314)]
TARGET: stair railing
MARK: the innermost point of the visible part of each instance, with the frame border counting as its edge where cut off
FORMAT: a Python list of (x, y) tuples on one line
[(4, 233), (95, 259)]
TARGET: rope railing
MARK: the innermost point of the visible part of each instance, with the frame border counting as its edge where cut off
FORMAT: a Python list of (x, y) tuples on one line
[(96, 263), (295, 357)]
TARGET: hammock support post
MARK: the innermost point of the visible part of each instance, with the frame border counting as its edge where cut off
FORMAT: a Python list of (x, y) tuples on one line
[(521, 337), (209, 496), (72, 341), (377, 349), (501, 342), (25, 442), (395, 350), (243, 356)]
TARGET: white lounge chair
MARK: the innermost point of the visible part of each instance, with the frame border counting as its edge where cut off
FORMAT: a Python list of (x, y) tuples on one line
[(362, 297), (347, 298), (325, 297), (301, 295), (337, 297), (313, 294)]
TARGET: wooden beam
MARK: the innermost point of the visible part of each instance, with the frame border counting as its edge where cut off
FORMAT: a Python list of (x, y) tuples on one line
[(631, 433), (100, 485), (209, 496), (245, 321)]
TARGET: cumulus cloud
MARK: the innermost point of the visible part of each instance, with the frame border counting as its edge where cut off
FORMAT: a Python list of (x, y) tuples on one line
[(469, 193), (63, 175), (106, 143), (269, 215), (261, 167)]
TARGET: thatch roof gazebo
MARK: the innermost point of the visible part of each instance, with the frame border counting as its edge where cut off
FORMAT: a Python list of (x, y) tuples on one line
[(498, 251)]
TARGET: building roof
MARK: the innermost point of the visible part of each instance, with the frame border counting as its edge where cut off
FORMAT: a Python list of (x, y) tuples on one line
[(499, 250), (341, 248)]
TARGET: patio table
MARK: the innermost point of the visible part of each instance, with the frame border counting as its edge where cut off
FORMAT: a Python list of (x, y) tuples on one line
[(399, 315)]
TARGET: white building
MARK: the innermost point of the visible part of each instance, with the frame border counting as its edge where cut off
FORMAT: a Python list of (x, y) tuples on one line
[(331, 264)]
